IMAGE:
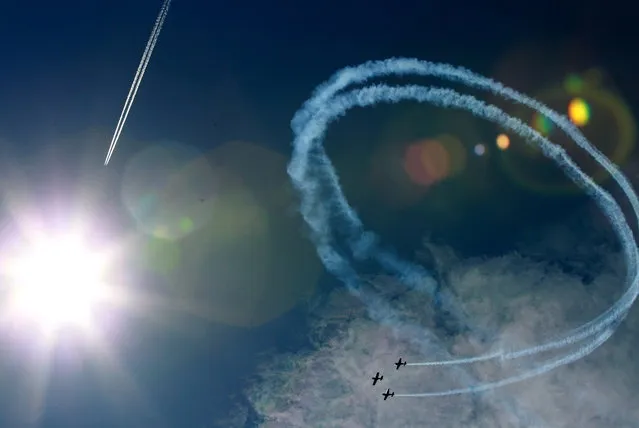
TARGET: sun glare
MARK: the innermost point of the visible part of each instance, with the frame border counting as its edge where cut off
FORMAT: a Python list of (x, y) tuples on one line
[(56, 283)]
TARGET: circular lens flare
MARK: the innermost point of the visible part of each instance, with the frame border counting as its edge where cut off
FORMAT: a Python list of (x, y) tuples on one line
[(579, 112), (503, 141)]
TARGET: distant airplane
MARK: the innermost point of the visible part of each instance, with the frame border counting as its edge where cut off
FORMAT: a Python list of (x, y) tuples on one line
[(399, 363), (376, 378), (388, 393)]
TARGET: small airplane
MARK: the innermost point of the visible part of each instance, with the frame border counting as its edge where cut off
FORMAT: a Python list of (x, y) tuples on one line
[(399, 363), (376, 378), (387, 394)]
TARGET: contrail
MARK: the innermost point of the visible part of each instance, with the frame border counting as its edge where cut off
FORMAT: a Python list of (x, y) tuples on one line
[(139, 74), (331, 218)]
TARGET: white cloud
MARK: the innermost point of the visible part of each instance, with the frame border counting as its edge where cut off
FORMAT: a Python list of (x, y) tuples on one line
[(518, 299)]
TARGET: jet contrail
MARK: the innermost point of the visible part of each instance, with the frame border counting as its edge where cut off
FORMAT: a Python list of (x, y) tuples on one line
[(146, 56)]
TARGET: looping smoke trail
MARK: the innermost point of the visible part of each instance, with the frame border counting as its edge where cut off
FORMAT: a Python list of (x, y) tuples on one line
[(330, 217), (139, 74)]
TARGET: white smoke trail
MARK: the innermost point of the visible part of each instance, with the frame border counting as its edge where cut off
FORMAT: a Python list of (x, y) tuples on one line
[(324, 205), (139, 74)]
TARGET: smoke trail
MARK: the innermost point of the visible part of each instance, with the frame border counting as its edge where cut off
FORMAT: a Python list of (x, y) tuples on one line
[(315, 177), (139, 74), (544, 368)]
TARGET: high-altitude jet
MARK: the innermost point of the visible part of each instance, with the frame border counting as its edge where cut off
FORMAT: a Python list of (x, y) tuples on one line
[(399, 363), (376, 378), (388, 393)]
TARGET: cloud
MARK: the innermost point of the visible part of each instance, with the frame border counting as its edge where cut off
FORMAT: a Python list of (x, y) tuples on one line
[(519, 298)]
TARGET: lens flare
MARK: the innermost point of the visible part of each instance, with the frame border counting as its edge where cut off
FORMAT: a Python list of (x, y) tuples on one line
[(503, 142), (579, 112)]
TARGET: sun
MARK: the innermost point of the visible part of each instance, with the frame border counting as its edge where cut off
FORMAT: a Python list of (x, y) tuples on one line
[(56, 282)]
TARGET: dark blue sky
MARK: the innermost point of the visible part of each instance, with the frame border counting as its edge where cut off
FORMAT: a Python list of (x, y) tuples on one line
[(66, 65), (225, 70)]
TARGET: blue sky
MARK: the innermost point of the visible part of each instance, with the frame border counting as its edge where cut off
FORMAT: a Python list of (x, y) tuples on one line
[(226, 71)]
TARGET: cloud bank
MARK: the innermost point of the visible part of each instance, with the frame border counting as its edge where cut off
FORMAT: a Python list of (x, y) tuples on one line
[(519, 299)]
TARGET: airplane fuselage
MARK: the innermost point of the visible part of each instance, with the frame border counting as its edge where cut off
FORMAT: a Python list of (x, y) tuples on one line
[(399, 363)]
